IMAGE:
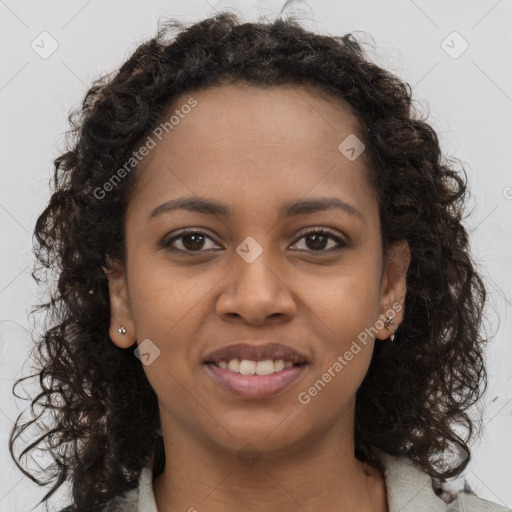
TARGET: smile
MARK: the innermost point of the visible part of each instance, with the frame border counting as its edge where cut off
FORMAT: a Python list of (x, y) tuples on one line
[(251, 379)]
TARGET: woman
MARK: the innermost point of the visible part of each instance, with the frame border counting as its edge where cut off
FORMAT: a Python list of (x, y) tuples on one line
[(266, 299)]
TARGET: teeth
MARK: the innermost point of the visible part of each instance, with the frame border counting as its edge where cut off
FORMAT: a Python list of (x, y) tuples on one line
[(247, 367)]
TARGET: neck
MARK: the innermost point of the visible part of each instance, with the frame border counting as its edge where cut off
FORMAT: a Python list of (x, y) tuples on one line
[(320, 474)]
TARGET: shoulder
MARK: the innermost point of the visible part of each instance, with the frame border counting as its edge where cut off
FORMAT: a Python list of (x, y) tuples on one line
[(469, 502), (137, 499), (410, 489), (126, 502)]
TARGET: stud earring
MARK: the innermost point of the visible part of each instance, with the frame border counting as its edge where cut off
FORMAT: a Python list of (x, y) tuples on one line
[(121, 330), (389, 321)]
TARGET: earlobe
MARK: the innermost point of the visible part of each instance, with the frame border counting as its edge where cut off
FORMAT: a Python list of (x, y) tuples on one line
[(121, 330), (393, 290)]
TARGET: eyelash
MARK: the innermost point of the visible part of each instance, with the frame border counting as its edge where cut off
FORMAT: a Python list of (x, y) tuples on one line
[(191, 231)]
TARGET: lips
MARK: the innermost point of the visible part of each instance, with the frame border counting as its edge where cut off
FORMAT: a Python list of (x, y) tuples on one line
[(256, 353), (255, 387)]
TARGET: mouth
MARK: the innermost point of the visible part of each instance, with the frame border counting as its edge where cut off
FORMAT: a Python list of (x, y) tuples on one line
[(255, 371), (252, 385), (248, 353), (248, 367)]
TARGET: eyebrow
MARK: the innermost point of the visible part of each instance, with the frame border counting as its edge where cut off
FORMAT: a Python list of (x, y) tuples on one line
[(287, 209)]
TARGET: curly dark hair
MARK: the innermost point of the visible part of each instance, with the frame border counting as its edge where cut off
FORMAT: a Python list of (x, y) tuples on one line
[(418, 388)]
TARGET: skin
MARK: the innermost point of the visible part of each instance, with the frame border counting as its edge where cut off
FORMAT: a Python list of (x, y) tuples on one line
[(253, 149)]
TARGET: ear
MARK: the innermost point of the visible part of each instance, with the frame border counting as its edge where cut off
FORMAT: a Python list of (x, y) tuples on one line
[(393, 288), (120, 310)]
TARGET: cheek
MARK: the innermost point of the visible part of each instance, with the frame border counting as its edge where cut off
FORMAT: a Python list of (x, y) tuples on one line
[(343, 311), (163, 296), (344, 342), (169, 307), (347, 297)]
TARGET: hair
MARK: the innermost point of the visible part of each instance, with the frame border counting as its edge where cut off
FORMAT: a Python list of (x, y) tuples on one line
[(418, 388)]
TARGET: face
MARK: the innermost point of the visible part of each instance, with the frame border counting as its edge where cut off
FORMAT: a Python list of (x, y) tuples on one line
[(252, 273)]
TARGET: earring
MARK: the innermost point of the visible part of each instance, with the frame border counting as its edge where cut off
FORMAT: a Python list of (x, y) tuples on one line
[(121, 330), (389, 321)]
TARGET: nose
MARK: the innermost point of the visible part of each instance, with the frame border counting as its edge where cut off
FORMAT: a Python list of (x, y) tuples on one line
[(255, 292)]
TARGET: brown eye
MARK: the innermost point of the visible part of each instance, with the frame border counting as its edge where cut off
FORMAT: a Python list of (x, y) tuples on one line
[(194, 241), (187, 241), (317, 241)]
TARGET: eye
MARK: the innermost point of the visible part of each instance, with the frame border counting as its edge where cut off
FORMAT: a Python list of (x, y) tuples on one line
[(190, 239), (318, 238), (193, 240)]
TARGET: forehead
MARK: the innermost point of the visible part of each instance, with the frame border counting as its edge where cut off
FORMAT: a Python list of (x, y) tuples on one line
[(241, 140), (277, 115)]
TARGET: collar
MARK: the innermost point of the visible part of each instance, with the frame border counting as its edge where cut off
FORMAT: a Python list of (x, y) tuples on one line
[(409, 488)]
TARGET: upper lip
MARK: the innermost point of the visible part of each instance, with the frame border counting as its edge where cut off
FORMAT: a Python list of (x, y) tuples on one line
[(256, 353)]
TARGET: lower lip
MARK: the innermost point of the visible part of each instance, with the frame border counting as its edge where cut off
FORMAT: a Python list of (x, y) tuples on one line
[(255, 386)]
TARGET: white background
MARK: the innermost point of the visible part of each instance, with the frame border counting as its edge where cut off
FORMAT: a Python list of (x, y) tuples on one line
[(470, 103)]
